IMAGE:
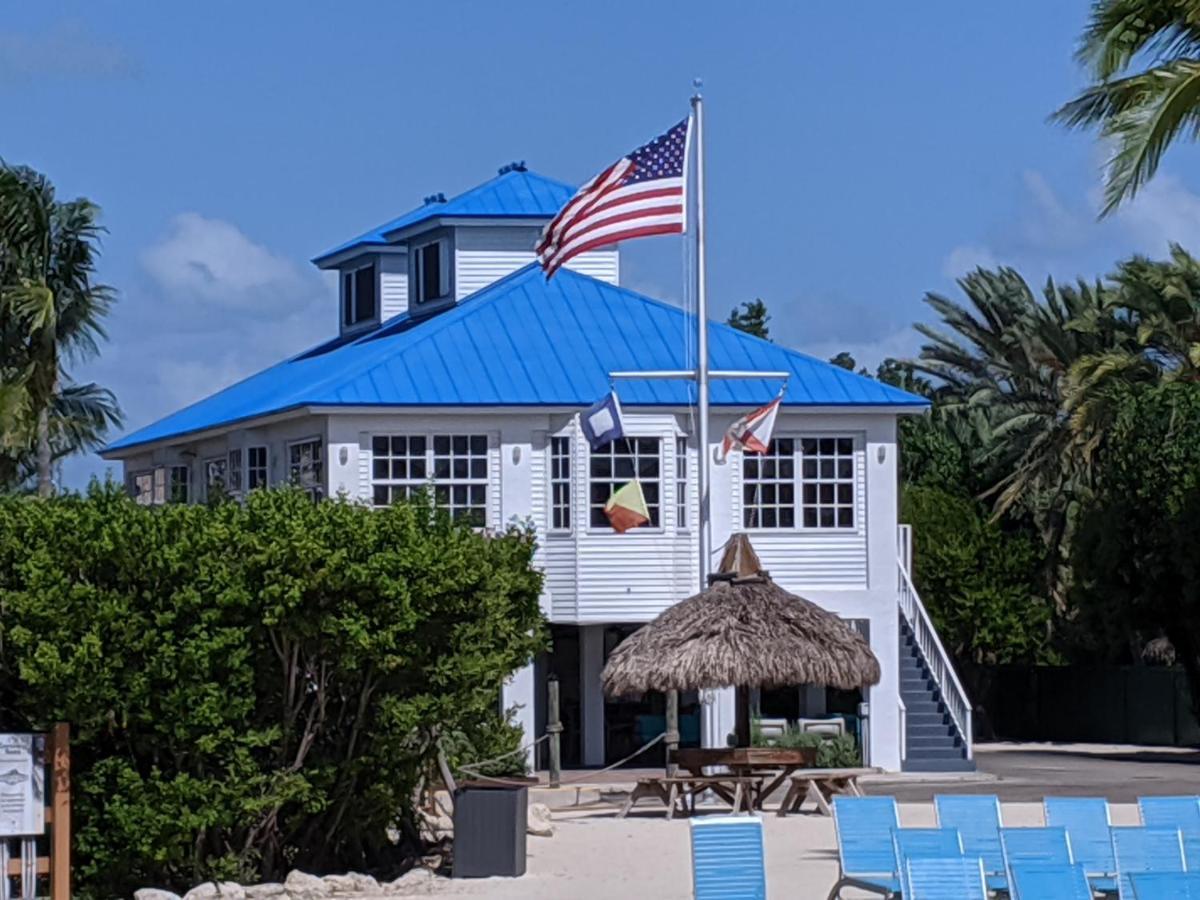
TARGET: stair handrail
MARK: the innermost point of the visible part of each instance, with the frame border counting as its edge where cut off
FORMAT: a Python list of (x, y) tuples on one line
[(936, 657)]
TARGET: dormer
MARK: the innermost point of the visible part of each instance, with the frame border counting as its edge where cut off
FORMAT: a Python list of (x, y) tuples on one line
[(435, 255)]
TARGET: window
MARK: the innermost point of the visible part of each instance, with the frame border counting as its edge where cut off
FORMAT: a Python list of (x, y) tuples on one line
[(358, 295), (560, 483), (256, 468), (306, 467), (455, 465), (825, 475), (233, 472), (827, 480), (141, 488), (681, 495), (160, 486), (431, 272), (214, 476), (180, 484), (618, 463)]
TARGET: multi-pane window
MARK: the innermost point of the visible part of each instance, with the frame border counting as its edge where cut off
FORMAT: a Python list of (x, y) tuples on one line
[(455, 466), (256, 468), (560, 483), (827, 482), (180, 484), (620, 462), (214, 476), (233, 472), (306, 467), (681, 497), (807, 482)]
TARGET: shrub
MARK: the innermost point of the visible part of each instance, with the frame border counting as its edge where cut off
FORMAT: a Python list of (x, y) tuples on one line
[(833, 752), (254, 686)]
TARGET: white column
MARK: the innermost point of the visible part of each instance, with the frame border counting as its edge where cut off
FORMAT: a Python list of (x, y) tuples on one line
[(591, 663), (718, 718), (518, 692)]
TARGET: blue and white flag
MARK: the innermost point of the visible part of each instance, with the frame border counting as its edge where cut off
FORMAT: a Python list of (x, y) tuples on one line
[(602, 423)]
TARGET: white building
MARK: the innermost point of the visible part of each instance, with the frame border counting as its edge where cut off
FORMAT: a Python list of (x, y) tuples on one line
[(456, 363)]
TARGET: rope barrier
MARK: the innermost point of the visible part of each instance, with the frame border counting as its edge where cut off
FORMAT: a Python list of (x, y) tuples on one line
[(585, 777), (483, 762)]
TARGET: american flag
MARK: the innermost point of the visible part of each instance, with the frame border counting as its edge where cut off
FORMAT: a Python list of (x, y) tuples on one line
[(641, 194)]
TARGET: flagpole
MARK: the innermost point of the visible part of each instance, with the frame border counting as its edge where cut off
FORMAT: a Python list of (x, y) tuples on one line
[(702, 454)]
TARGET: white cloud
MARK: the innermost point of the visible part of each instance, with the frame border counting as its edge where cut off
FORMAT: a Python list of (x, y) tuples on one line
[(900, 344), (1165, 211), (68, 49), (213, 262), (967, 258)]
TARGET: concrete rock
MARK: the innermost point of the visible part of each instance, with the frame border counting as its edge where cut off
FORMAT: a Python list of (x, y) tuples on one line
[(265, 891), (302, 886), (538, 822), (154, 894), (216, 890), (352, 883), (413, 882)]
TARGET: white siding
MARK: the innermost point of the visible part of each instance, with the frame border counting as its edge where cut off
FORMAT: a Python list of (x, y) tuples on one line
[(484, 255), (393, 285)]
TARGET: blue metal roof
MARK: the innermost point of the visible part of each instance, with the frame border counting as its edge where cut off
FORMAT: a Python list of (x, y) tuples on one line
[(524, 341), (513, 194)]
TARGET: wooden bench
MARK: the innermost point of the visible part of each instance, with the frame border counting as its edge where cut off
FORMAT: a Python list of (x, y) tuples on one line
[(679, 792), (820, 786)]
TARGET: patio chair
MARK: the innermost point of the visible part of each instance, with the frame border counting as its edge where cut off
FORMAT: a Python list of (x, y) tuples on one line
[(1176, 812), (1047, 846), (960, 878), (910, 843), (1140, 849), (1166, 885), (1088, 824), (727, 858), (864, 827), (1029, 880), (977, 818)]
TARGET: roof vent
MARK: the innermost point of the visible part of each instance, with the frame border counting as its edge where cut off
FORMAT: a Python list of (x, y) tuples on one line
[(435, 198), (512, 167)]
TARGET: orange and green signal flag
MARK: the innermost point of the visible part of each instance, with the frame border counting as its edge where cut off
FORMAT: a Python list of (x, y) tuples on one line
[(626, 508)]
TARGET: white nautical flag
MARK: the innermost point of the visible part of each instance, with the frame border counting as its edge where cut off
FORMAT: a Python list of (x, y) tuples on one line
[(601, 423), (752, 431)]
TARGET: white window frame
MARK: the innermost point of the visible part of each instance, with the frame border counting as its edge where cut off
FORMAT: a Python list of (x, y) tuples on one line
[(682, 505), (444, 487), (252, 469), (799, 481), (350, 298), (418, 293), (223, 463), (315, 490), (235, 464), (616, 481), (173, 473), (561, 483)]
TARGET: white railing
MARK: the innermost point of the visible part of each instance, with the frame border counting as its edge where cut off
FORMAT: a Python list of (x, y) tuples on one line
[(936, 657), (903, 729), (904, 547)]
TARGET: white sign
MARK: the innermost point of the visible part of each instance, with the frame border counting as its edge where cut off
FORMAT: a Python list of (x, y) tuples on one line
[(22, 784)]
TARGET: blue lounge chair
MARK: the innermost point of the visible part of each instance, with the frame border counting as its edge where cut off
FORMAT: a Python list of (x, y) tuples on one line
[(977, 818), (1176, 812), (1166, 885), (864, 827), (727, 858), (960, 878), (1046, 846), (1041, 881), (1087, 822), (1141, 849), (909, 843)]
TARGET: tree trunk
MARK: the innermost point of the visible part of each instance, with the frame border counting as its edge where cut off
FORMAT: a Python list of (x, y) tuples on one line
[(45, 479)]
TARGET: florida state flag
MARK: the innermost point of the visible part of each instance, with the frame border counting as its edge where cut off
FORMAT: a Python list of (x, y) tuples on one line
[(753, 431)]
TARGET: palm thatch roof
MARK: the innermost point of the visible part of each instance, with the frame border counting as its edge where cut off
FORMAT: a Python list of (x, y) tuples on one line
[(743, 631)]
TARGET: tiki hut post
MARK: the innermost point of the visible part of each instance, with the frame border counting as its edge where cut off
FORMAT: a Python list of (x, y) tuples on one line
[(671, 739)]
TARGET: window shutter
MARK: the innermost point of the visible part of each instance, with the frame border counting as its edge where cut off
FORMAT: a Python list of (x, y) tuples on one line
[(444, 268)]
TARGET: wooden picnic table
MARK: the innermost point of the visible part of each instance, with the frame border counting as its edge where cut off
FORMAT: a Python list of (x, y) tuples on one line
[(678, 792), (820, 786), (755, 764)]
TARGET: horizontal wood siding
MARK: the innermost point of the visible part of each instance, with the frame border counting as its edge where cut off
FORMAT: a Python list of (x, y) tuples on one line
[(393, 293)]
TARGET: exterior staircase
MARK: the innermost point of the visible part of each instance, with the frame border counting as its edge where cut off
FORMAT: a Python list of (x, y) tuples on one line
[(932, 740)]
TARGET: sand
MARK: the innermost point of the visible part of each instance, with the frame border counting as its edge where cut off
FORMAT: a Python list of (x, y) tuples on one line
[(594, 855)]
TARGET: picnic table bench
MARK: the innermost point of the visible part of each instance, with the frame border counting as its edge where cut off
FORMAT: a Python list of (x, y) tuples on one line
[(678, 792), (820, 786)]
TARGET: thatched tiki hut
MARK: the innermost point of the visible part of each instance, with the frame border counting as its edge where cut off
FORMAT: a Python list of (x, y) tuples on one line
[(746, 632)]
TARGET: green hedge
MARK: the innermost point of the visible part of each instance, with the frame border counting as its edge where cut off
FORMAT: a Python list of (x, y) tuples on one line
[(255, 686)]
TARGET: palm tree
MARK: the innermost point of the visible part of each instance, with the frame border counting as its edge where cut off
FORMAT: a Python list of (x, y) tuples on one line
[(51, 312), (1140, 112)]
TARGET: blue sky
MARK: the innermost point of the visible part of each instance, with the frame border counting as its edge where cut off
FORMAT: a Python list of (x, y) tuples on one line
[(859, 155)]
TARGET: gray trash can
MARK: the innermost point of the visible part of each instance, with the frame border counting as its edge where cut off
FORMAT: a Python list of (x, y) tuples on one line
[(489, 829)]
